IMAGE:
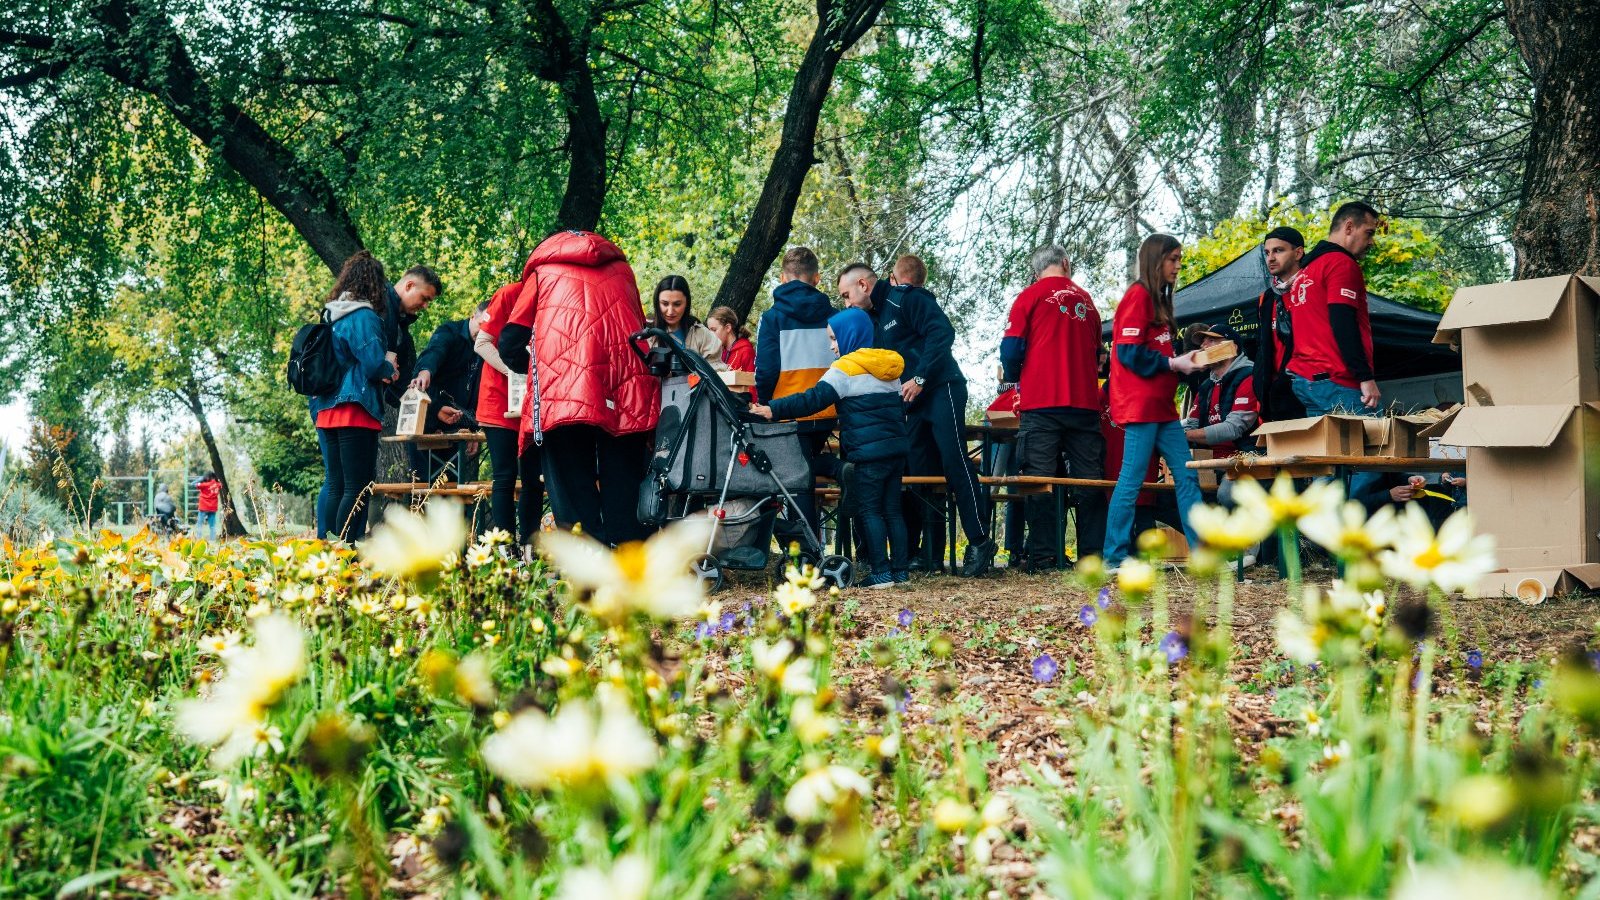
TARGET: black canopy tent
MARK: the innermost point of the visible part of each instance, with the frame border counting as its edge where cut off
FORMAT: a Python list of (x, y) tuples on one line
[(1402, 337)]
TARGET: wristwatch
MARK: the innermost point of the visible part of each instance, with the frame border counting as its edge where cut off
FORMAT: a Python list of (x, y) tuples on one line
[(919, 381)]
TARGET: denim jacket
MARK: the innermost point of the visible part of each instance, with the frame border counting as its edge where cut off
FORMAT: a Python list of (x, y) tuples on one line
[(358, 344)]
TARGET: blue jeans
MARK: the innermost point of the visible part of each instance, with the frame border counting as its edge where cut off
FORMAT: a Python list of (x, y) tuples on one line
[(204, 519), (1140, 440), (1323, 398), (877, 491)]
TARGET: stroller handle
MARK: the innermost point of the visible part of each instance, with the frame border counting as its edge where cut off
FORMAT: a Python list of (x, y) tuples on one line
[(694, 364)]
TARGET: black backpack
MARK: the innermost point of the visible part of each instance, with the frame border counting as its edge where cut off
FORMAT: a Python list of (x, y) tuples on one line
[(313, 367)]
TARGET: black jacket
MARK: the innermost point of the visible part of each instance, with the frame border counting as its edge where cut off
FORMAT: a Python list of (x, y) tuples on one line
[(455, 367), (397, 340), (908, 320)]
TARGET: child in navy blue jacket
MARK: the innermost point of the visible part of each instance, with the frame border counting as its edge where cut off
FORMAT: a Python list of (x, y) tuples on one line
[(864, 385)]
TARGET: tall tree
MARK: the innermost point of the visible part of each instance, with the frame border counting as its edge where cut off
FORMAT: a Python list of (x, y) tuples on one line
[(1558, 223), (839, 26)]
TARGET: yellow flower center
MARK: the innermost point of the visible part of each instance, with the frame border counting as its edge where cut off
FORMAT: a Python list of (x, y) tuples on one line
[(1430, 558), (632, 561)]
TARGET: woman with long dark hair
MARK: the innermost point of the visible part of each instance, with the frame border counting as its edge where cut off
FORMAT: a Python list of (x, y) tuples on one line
[(1144, 385), (671, 312), (348, 420)]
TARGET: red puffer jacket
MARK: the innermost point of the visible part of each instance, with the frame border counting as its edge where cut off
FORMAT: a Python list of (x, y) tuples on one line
[(580, 302)]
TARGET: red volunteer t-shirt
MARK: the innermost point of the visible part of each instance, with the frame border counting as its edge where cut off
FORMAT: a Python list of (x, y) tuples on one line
[(1135, 399), (1332, 278), (1211, 409), (209, 491), (1058, 321), (491, 384)]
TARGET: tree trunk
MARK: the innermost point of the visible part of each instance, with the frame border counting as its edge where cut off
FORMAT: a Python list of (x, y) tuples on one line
[(231, 524), (838, 29), (559, 55), (144, 52), (1557, 230)]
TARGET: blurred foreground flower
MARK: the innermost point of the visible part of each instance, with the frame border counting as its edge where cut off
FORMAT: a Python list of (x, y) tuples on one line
[(1347, 532), (651, 577), (629, 879), (1136, 577), (1283, 505), (995, 817), (813, 797), (229, 719), (792, 676), (1472, 880), (586, 742), (1230, 532), (1453, 559), (407, 545)]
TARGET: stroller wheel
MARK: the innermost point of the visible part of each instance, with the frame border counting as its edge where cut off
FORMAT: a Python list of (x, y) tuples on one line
[(708, 571), (837, 570)]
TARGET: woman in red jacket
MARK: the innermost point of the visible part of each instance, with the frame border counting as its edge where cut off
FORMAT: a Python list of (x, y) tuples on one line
[(592, 403), (738, 354), (516, 515), (1144, 387)]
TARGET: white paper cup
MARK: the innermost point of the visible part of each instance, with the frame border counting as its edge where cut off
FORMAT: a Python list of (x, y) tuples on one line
[(1531, 591)]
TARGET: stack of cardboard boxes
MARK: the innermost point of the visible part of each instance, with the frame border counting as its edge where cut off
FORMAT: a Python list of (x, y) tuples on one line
[(1531, 366)]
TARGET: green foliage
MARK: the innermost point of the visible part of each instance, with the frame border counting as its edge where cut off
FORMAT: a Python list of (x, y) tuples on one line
[(26, 514), (1406, 264)]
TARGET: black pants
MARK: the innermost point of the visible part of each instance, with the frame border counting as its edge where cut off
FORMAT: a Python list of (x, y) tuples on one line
[(516, 515), (1056, 444), (936, 426), (878, 512), (350, 463), (1005, 459), (593, 479)]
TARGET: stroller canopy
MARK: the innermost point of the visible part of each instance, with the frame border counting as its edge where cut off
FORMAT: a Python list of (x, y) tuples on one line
[(1402, 336)]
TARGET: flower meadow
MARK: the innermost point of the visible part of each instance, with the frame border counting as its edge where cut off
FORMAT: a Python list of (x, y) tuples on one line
[(429, 715)]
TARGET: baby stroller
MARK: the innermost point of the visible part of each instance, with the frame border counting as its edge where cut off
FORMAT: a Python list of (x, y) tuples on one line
[(713, 458)]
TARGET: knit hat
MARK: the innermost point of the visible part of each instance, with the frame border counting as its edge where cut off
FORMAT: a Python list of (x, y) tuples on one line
[(1288, 235)]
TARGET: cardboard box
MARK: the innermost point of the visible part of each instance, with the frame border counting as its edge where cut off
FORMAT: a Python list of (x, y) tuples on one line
[(1177, 544), (1208, 477), (1534, 586), (1403, 437), (1002, 418), (737, 379), (1526, 342), (1333, 435), (1216, 353), (1528, 484)]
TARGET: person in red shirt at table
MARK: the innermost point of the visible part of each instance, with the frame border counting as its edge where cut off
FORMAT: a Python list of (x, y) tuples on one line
[(208, 489), (1284, 248), (1050, 351), (1144, 387), (515, 514), (738, 354), (1331, 362)]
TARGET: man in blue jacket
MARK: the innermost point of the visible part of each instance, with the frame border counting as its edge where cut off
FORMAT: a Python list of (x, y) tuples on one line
[(908, 320)]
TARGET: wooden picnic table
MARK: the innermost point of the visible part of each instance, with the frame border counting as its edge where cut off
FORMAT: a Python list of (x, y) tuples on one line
[(462, 441)]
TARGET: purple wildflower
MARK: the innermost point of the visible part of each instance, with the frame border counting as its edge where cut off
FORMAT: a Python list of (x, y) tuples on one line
[(904, 704), (1088, 616), (703, 631), (1475, 659), (905, 618), (1174, 646), (726, 623), (1103, 599), (1045, 668)]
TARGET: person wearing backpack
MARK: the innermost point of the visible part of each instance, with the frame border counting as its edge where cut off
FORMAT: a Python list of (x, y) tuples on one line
[(348, 414)]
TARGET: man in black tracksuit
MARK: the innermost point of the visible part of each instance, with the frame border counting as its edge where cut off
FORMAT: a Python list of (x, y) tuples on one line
[(408, 297), (907, 319), (448, 372)]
